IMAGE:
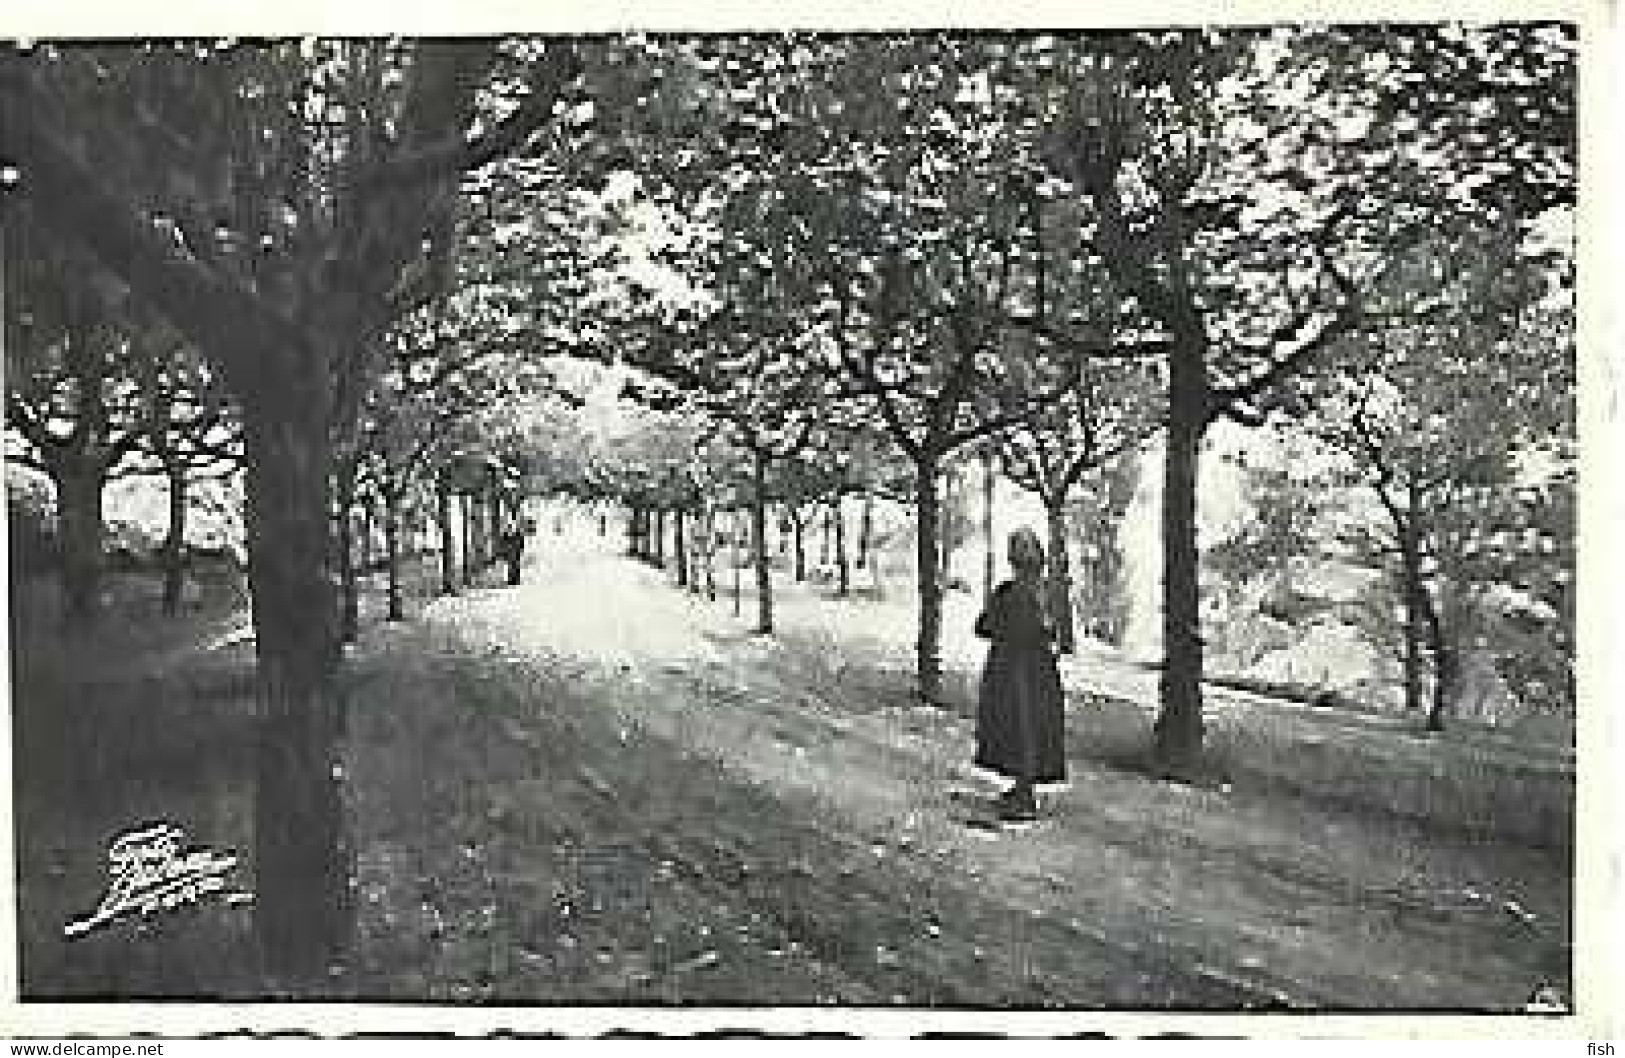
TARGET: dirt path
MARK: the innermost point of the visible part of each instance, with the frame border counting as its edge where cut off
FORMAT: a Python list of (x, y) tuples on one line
[(617, 795)]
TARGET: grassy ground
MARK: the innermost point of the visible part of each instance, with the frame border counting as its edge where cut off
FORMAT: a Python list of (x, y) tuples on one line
[(134, 722), (594, 789), (146, 718)]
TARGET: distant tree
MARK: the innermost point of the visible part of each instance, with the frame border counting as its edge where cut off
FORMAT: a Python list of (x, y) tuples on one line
[(1284, 508), (72, 396), (1097, 514), (1436, 412), (193, 434), (1111, 410)]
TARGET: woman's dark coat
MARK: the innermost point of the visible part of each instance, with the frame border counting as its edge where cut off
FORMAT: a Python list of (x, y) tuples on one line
[(1019, 717)]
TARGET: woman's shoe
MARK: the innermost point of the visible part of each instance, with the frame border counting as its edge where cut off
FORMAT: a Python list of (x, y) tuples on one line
[(1017, 806)]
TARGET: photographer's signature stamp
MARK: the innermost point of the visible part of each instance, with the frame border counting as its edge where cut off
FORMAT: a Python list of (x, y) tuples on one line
[(152, 868)]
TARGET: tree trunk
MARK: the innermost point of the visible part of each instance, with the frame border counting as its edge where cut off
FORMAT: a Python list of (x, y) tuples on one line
[(758, 526), (1412, 594), (301, 915), (174, 555), (632, 531), (490, 532), (1060, 577), (81, 473), (659, 555), (1444, 662), (392, 554), (471, 557), (826, 536), (448, 561), (798, 526), (734, 544), (989, 561), (369, 528), (1177, 743), (866, 528), (708, 551), (680, 548), (489, 529), (928, 647), (843, 568), (349, 587), (695, 545), (79, 497), (945, 529)]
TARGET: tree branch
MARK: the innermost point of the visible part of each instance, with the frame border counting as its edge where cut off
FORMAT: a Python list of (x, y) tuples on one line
[(459, 154), (1038, 403), (863, 369), (1221, 401), (1087, 348), (235, 328), (30, 427)]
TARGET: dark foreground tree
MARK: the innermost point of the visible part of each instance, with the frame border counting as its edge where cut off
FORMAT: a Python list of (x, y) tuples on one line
[(279, 205), (1245, 226)]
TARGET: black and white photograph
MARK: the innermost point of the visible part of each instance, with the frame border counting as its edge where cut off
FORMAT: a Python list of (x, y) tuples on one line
[(939, 522)]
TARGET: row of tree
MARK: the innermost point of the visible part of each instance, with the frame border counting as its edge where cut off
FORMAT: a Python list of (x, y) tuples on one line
[(894, 248), (284, 207), (1060, 246), (98, 390)]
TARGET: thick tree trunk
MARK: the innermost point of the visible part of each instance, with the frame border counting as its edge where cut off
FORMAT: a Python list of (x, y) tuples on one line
[(632, 520), (448, 561), (392, 555), (174, 555), (1444, 663), (945, 529), (843, 567), (659, 553), (1060, 577), (1412, 593), (989, 560), (301, 915), (80, 474), (79, 484), (1177, 744), (928, 645), (758, 532)]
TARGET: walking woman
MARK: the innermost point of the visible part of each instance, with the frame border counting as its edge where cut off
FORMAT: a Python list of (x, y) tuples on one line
[(1019, 717)]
